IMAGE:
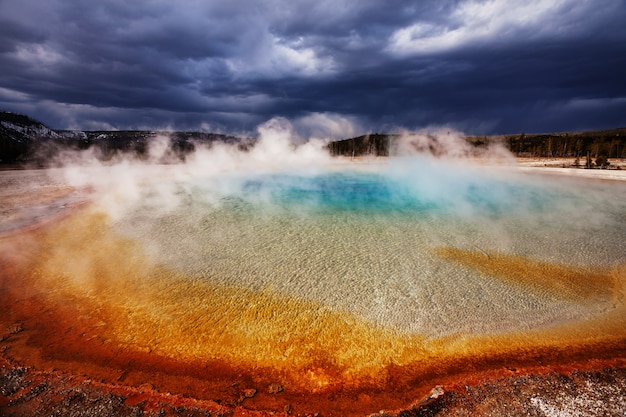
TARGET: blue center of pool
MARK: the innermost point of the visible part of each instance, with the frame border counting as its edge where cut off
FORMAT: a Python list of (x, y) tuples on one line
[(379, 193)]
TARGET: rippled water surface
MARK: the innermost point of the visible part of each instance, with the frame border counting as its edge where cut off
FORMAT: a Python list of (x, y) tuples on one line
[(370, 241)]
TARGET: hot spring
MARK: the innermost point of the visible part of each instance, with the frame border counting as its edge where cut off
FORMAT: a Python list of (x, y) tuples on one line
[(326, 276)]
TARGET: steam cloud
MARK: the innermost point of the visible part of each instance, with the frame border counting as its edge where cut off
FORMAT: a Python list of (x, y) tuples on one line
[(437, 171), (433, 160)]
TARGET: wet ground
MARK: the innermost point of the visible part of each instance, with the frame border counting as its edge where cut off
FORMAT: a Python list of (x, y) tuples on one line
[(27, 391), (32, 197)]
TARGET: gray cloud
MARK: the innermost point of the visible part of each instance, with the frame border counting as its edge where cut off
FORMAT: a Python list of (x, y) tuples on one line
[(483, 67)]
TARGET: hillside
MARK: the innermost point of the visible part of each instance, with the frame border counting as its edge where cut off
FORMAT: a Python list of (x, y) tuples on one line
[(28, 142), (17, 134)]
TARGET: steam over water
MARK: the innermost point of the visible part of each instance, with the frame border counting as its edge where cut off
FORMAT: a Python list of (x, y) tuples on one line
[(330, 272), (365, 239)]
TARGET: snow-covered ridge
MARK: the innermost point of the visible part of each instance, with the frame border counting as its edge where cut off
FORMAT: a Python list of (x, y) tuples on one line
[(37, 130), (73, 134)]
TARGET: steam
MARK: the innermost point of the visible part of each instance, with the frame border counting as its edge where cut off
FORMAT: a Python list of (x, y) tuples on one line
[(446, 143), (124, 181), (436, 172)]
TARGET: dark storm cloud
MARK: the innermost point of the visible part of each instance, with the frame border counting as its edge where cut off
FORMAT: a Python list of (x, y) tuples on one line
[(480, 66)]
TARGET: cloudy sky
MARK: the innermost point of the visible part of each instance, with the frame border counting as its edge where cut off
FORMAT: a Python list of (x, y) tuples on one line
[(331, 67)]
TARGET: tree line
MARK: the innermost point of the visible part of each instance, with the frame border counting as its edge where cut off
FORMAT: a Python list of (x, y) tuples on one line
[(593, 144), (604, 143)]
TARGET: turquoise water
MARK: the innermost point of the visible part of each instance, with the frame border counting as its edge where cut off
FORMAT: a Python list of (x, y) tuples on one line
[(371, 193), (364, 240)]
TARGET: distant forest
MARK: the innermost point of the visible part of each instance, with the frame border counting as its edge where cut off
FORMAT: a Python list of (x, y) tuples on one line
[(592, 144)]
